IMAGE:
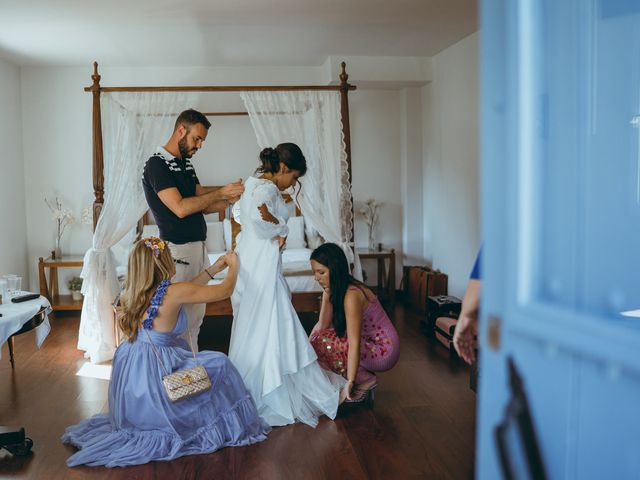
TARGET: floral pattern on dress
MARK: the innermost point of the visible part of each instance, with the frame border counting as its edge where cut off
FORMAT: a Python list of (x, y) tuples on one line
[(156, 301)]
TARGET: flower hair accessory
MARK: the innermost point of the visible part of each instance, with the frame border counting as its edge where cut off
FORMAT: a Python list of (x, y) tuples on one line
[(155, 244)]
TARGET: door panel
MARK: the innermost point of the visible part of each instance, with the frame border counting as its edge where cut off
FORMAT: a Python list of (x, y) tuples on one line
[(608, 423), (560, 191)]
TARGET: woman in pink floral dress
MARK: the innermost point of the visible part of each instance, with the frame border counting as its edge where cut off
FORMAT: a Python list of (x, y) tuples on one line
[(354, 337)]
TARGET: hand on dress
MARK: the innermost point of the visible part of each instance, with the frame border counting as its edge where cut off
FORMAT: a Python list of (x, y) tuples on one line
[(281, 242), (314, 331), (232, 191), (219, 265), (464, 338), (231, 259), (347, 391)]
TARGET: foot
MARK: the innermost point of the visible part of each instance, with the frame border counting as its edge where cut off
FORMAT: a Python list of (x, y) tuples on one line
[(366, 386), (361, 390)]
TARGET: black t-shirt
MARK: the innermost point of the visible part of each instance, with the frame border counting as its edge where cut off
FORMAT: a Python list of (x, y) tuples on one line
[(161, 173)]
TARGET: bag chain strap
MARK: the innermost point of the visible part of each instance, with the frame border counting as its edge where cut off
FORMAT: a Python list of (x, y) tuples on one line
[(158, 356)]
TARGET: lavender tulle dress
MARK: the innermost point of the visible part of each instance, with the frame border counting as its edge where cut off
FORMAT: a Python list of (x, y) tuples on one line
[(144, 425)]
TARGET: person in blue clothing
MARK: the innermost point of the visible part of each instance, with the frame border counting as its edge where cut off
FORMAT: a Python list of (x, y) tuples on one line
[(143, 424), (464, 338)]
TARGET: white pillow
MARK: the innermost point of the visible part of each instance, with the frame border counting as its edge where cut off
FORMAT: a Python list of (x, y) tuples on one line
[(226, 231), (296, 255), (150, 231), (215, 238), (296, 233)]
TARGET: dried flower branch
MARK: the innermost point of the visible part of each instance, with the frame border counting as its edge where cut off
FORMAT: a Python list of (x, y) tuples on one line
[(61, 215), (370, 212)]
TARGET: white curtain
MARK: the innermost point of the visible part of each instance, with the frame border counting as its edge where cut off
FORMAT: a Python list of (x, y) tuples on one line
[(133, 125), (311, 119)]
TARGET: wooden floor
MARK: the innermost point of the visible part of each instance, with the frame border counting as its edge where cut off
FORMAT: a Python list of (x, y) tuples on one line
[(421, 426)]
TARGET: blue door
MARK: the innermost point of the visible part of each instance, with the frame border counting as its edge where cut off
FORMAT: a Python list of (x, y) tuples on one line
[(560, 156)]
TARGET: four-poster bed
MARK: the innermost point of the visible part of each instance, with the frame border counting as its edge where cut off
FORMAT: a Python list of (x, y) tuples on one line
[(96, 90), (328, 204)]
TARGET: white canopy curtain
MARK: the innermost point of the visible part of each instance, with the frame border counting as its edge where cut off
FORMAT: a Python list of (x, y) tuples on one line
[(311, 119), (133, 125)]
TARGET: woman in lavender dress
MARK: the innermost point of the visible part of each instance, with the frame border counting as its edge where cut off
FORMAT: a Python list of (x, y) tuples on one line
[(142, 423)]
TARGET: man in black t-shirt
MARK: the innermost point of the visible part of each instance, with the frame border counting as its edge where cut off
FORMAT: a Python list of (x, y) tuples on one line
[(178, 202)]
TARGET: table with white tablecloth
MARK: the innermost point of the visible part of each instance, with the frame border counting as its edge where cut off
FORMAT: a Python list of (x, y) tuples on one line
[(15, 315)]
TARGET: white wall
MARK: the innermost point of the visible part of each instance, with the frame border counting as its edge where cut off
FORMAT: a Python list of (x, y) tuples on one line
[(57, 148), (411, 179), (376, 152), (451, 162), (13, 230)]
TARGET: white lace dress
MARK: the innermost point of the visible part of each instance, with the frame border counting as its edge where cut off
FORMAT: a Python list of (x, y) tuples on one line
[(268, 345)]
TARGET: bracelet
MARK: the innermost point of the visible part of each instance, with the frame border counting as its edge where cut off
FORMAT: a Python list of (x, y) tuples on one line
[(210, 276)]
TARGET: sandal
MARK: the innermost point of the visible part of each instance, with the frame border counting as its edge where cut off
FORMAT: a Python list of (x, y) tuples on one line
[(363, 394)]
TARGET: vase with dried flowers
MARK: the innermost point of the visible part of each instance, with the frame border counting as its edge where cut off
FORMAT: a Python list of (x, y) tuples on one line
[(369, 211), (63, 218)]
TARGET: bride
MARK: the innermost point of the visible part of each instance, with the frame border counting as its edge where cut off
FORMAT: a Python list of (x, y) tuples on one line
[(268, 345)]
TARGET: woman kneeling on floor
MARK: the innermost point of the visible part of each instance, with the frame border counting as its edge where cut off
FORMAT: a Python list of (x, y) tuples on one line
[(354, 337), (150, 419)]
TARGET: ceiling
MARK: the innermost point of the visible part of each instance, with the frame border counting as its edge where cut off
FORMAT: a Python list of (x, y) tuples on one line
[(226, 32)]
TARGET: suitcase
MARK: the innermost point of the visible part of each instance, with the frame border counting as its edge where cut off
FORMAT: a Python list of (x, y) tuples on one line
[(410, 285), (440, 306), (444, 329), (420, 283)]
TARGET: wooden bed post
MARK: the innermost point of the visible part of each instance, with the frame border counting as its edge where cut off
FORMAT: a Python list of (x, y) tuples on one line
[(346, 131), (98, 160)]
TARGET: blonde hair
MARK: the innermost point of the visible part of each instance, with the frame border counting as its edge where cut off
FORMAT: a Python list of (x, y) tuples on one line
[(150, 263)]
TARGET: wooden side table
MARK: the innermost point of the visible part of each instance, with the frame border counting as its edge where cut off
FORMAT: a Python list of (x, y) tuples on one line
[(49, 288), (386, 279)]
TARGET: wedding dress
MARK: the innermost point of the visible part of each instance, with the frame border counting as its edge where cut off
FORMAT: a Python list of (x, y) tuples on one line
[(269, 346)]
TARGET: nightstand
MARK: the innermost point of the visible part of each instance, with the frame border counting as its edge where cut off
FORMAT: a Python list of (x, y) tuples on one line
[(49, 287)]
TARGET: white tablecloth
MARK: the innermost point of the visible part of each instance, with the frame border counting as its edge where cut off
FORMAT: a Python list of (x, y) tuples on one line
[(15, 315)]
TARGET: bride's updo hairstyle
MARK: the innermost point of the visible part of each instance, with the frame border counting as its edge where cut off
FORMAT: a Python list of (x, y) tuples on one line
[(287, 153)]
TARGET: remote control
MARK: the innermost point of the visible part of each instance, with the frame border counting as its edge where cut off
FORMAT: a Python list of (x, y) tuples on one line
[(25, 298)]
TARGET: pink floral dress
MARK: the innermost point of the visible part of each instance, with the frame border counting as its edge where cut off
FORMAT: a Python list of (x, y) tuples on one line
[(379, 345)]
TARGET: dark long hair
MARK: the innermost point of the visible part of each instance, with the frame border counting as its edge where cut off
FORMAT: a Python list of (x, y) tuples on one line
[(331, 256), (287, 153)]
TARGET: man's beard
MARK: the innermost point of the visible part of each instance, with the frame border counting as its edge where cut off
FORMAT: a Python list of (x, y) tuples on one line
[(183, 147)]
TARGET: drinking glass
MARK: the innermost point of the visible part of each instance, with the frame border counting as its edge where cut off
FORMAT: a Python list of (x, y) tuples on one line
[(3, 289), (14, 283)]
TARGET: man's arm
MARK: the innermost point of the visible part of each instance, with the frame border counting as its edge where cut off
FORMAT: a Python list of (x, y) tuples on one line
[(185, 206), (200, 189), (218, 205), (229, 194)]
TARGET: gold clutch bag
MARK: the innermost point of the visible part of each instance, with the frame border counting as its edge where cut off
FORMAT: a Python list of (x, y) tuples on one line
[(186, 383)]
